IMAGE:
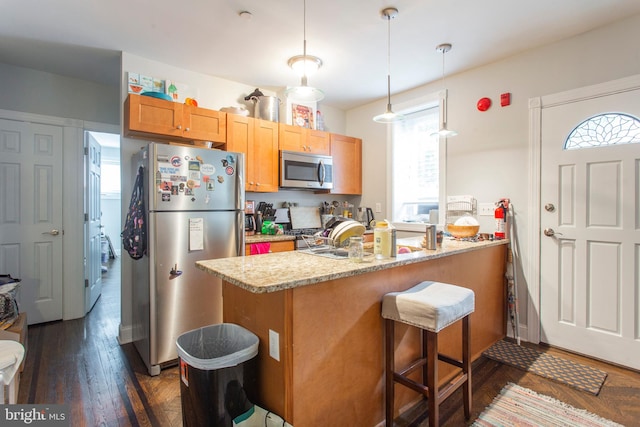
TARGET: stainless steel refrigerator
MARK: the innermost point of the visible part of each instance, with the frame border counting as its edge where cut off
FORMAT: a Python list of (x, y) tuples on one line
[(194, 201)]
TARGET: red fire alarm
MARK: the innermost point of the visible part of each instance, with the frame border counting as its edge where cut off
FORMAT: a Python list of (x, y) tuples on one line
[(484, 104), (505, 99)]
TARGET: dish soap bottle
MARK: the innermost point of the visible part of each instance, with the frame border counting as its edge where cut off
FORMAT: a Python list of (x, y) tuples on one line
[(381, 240)]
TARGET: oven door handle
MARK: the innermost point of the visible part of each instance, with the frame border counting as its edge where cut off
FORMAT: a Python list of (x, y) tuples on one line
[(321, 173)]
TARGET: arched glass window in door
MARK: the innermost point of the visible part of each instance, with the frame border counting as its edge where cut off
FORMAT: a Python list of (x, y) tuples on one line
[(604, 130)]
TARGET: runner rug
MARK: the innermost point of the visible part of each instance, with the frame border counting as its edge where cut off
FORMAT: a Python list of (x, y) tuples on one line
[(518, 406), (554, 368)]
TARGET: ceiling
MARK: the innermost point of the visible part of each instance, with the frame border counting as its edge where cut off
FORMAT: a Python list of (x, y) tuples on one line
[(83, 39)]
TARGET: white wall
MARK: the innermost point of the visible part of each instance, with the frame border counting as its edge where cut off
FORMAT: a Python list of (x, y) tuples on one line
[(38, 92), (490, 156)]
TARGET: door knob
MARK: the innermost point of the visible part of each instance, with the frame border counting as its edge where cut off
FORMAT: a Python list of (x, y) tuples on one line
[(53, 232), (550, 233), (549, 207)]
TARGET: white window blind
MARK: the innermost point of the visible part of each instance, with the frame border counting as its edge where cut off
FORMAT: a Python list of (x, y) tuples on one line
[(416, 171)]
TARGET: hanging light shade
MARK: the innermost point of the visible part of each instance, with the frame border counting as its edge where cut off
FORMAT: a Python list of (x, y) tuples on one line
[(388, 116), (444, 131), (304, 65)]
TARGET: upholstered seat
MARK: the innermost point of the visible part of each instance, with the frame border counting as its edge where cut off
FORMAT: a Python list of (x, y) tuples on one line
[(430, 306)]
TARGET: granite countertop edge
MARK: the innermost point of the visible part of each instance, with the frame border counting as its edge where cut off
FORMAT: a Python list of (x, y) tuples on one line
[(261, 238), (272, 272)]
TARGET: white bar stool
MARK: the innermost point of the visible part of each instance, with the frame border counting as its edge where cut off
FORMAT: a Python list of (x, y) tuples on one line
[(11, 355), (430, 306)]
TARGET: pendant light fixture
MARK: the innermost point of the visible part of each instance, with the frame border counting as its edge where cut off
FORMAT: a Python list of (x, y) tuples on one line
[(388, 116), (444, 131), (304, 64)]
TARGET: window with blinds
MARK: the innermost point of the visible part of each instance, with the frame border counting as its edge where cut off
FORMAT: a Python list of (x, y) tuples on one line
[(416, 171)]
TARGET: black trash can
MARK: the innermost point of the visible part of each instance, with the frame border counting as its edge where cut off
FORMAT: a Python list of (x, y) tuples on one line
[(218, 374)]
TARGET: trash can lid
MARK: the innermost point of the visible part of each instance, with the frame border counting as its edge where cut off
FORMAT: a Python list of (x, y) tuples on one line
[(217, 346)]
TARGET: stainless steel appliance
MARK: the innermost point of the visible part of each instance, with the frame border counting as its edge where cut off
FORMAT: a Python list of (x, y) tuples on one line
[(195, 211), (305, 170)]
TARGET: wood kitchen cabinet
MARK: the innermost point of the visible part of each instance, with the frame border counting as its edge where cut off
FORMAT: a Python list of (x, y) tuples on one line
[(346, 152), (149, 117), (296, 138), (276, 246), (258, 140)]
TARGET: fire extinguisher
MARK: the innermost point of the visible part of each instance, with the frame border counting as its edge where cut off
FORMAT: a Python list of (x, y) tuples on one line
[(500, 216)]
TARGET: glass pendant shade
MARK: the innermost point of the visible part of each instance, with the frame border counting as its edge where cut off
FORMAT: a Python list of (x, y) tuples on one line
[(444, 131), (388, 116), (304, 65), (304, 93)]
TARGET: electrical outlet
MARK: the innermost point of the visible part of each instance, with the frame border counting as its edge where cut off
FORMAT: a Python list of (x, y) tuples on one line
[(274, 345), (378, 207), (486, 209)]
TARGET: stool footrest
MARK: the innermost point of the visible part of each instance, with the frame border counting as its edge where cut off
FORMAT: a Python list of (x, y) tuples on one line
[(413, 385), (455, 362), (418, 363), (452, 386)]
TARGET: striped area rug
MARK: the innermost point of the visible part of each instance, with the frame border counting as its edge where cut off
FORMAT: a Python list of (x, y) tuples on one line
[(518, 406), (554, 368)]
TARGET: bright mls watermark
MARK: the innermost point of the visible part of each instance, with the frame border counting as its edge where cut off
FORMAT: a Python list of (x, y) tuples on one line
[(35, 415)]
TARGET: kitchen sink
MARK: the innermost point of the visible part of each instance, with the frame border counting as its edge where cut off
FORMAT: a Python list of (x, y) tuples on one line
[(327, 252)]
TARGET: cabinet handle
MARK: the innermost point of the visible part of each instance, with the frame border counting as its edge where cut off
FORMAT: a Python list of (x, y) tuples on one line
[(179, 126), (186, 130), (257, 184)]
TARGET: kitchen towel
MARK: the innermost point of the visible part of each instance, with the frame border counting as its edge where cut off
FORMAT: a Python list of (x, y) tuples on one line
[(260, 248)]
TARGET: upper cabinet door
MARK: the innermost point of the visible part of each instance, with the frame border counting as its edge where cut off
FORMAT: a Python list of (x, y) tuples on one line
[(155, 118), (319, 142), (296, 138), (346, 152), (265, 156), (203, 124), (144, 114)]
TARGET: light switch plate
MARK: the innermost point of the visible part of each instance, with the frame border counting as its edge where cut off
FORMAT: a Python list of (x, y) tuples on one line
[(486, 209), (274, 345)]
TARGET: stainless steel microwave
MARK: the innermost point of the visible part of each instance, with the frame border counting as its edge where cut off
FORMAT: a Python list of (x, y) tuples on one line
[(305, 170)]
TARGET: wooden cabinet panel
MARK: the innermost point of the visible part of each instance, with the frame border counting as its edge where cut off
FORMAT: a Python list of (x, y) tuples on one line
[(144, 114), (155, 118), (296, 138), (319, 142), (239, 137), (203, 124), (277, 246), (347, 164), (265, 156), (258, 140)]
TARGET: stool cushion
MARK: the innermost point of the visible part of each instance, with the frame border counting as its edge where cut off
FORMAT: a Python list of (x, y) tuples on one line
[(429, 305)]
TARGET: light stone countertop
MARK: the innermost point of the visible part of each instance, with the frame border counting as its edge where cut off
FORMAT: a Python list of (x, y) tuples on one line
[(284, 270)]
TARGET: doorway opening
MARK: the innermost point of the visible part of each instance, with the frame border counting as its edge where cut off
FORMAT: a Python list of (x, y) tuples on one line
[(109, 208)]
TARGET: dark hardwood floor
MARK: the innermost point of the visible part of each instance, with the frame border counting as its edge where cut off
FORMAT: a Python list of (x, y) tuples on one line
[(80, 363)]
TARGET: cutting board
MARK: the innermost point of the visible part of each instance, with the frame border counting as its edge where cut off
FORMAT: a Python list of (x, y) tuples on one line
[(304, 217)]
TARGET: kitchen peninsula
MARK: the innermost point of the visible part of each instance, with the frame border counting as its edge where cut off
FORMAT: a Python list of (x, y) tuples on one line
[(327, 365)]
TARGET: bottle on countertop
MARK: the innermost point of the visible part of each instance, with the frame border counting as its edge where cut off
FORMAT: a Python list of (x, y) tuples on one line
[(381, 240)]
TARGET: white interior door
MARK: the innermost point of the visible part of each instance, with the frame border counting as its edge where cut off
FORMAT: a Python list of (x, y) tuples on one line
[(31, 215), (93, 244), (590, 219)]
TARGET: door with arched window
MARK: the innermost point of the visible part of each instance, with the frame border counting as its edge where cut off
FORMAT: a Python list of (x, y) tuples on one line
[(590, 224)]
